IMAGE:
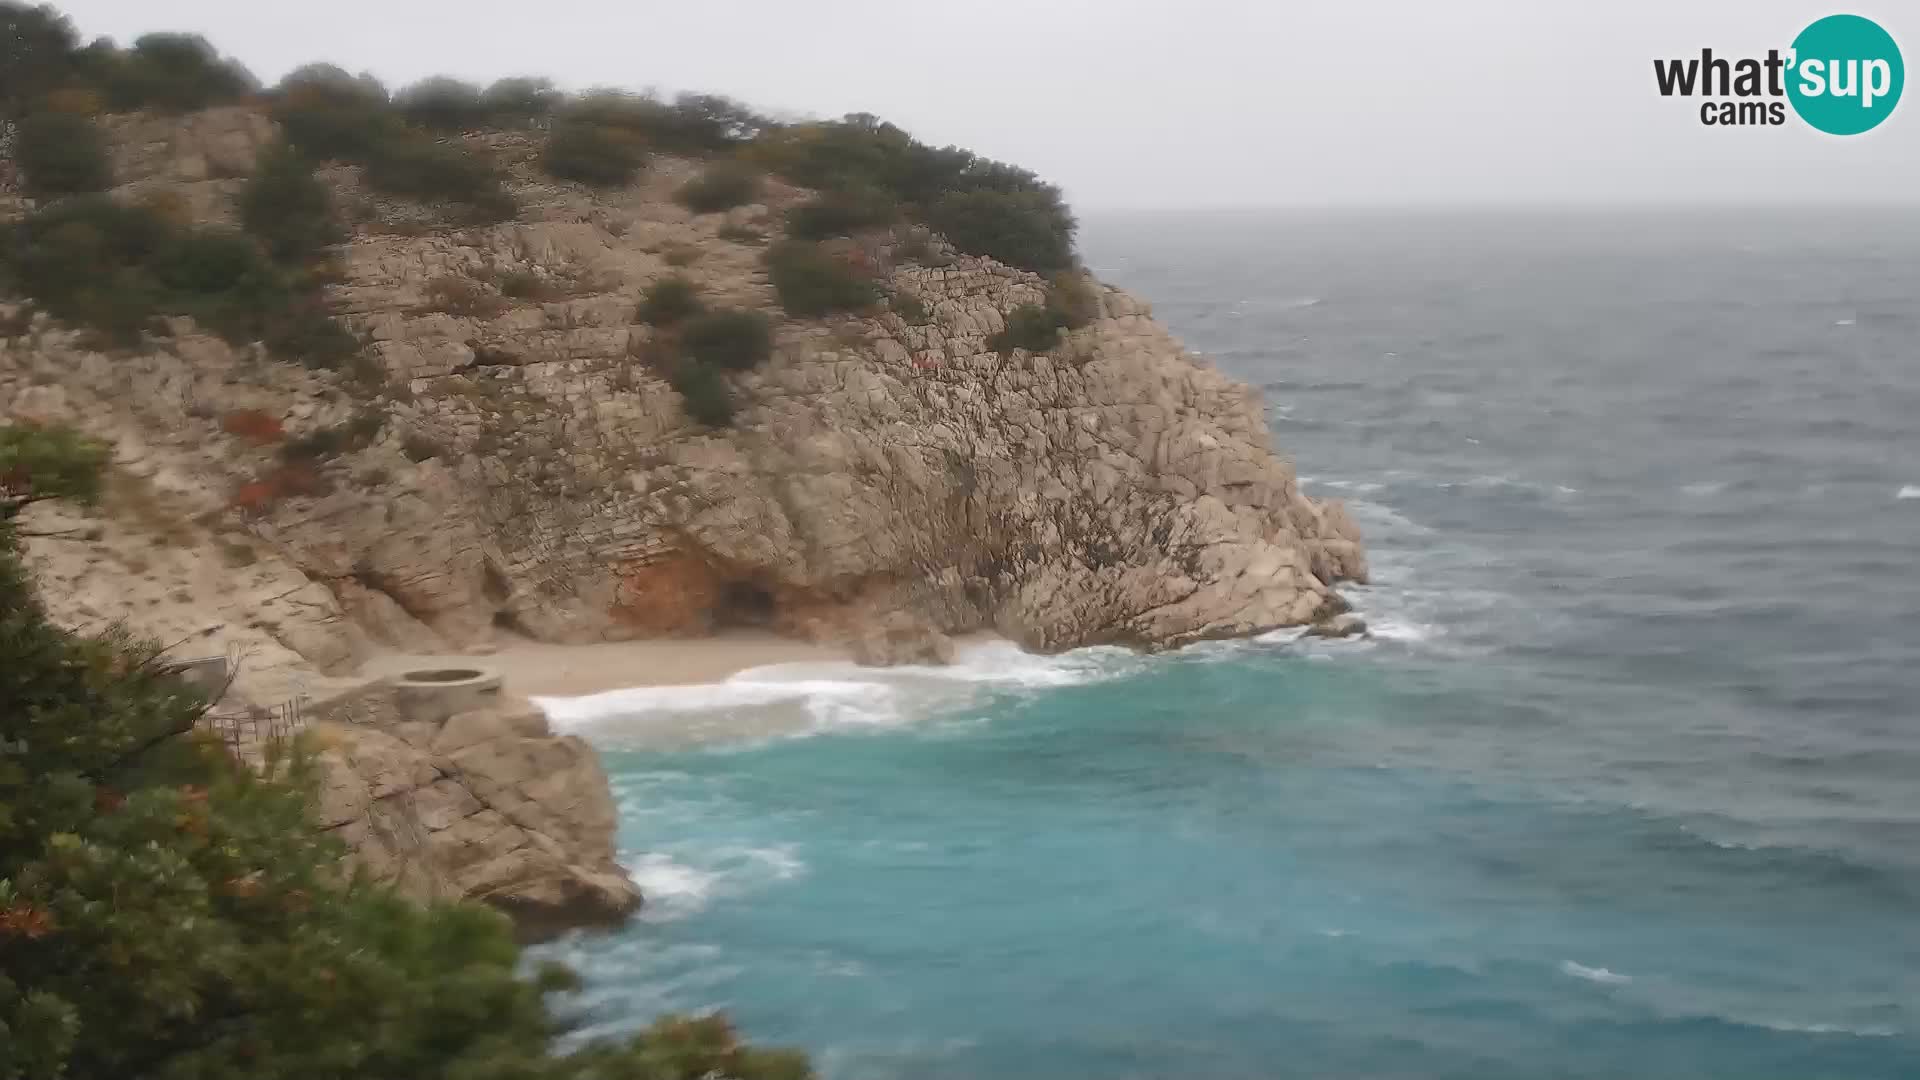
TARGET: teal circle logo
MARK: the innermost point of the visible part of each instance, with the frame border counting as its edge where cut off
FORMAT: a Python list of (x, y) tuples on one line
[(1846, 75)]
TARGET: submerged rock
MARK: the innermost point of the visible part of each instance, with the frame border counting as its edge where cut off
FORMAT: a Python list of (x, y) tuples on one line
[(1340, 626)]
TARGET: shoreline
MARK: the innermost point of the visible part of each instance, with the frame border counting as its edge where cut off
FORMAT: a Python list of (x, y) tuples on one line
[(540, 669)]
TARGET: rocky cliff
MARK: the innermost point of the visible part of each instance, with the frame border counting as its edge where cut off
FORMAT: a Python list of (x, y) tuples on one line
[(485, 803), (526, 470)]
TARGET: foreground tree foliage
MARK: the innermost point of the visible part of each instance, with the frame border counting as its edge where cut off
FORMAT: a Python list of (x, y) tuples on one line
[(167, 914)]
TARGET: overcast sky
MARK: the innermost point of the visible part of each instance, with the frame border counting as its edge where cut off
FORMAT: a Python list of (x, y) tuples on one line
[(1183, 103)]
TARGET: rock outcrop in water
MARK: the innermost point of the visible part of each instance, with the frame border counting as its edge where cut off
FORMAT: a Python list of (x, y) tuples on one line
[(487, 803)]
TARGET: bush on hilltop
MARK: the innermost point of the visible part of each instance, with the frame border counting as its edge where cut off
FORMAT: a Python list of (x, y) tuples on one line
[(596, 154), (722, 187)]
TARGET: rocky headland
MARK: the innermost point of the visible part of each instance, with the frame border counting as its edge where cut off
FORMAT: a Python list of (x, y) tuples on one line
[(508, 459)]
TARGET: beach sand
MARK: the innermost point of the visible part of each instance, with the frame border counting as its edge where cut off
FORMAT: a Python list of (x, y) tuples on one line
[(535, 669)]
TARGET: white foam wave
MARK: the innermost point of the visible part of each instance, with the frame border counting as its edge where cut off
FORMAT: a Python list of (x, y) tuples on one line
[(1704, 488), (1822, 1029), (822, 696), (1910, 491), (1843, 322), (671, 889), (677, 884), (1593, 974), (1405, 630)]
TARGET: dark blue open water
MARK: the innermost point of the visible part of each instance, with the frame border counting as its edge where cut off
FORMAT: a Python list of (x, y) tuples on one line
[(1628, 787)]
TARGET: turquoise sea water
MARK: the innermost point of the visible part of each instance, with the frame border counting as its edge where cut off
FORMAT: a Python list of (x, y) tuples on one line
[(1628, 785)]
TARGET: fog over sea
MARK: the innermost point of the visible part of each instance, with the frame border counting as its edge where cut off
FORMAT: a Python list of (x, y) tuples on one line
[(1626, 785)]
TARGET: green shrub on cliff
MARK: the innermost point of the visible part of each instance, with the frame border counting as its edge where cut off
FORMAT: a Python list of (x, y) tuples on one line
[(418, 168), (168, 914), (811, 281), (722, 187), (596, 154), (704, 392), (113, 268), (983, 206), (442, 104), (669, 300), (1030, 327), (171, 73), (61, 154), (733, 340), (841, 213), (288, 208), (1025, 228), (327, 114)]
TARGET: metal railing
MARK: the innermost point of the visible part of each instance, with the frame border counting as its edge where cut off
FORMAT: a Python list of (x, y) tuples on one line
[(255, 725)]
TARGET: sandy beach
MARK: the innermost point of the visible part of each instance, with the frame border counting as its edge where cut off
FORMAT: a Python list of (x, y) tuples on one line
[(534, 668)]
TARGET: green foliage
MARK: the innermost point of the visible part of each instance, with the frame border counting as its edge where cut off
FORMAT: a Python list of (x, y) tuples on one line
[(983, 206), (1027, 228), (1070, 293), (1071, 304), (327, 114), (730, 339), (520, 99), (690, 124), (669, 300), (174, 73), (114, 268), (288, 208), (704, 392), (38, 46), (842, 213), (85, 261), (167, 913), (38, 463), (62, 154), (1030, 327), (598, 154), (811, 281), (426, 171), (304, 331), (442, 104), (722, 187)]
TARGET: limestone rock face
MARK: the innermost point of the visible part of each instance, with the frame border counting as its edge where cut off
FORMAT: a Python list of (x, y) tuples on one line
[(530, 470), (486, 805)]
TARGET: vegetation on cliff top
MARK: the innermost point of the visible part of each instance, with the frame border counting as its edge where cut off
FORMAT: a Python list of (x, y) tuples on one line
[(168, 913), (407, 142)]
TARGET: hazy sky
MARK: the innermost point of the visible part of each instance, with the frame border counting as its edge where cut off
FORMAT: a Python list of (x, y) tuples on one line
[(1183, 103)]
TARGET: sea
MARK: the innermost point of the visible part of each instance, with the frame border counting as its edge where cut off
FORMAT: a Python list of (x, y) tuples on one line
[(1624, 786)]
